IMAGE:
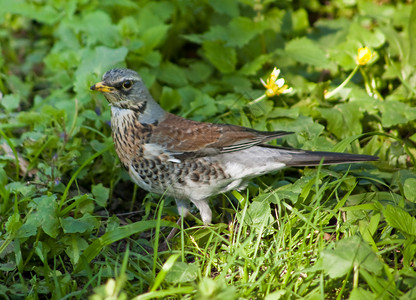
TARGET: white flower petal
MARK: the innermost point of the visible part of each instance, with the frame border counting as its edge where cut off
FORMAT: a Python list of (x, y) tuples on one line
[(287, 91), (280, 82), (275, 72)]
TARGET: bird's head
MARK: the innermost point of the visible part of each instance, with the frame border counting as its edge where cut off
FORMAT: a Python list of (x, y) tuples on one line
[(122, 87)]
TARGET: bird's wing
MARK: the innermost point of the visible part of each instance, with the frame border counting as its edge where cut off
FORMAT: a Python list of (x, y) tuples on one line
[(182, 136)]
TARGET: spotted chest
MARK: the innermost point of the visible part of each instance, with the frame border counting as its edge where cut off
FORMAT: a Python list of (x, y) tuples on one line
[(129, 135), (150, 166)]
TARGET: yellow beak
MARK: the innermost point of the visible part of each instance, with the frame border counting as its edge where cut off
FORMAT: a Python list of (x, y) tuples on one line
[(101, 87)]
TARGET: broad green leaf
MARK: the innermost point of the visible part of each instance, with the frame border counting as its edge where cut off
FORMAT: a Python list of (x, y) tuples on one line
[(43, 216), (199, 72), (47, 209), (372, 197), (372, 39), (300, 21), (222, 57), (170, 98), (348, 253), (172, 74), (153, 37), (204, 105), (396, 41), (400, 219), (10, 102), (343, 119), (215, 289), (251, 67), (100, 193), (30, 227), (152, 58), (236, 34), (306, 132), (410, 189), (41, 13), (75, 246), (182, 272), (13, 224), (104, 34), (259, 210), (306, 51), (84, 224), (161, 11), (396, 112), (228, 7), (360, 293)]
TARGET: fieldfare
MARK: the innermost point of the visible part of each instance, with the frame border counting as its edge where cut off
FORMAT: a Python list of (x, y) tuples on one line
[(189, 160)]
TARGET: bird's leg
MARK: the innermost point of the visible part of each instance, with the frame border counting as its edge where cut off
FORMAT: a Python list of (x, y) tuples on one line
[(204, 210), (183, 210), (183, 207)]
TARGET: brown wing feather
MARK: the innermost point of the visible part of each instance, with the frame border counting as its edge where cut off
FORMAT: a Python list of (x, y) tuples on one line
[(182, 135)]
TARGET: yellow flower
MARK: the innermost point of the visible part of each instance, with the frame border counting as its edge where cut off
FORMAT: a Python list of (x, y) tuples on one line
[(364, 56), (274, 85)]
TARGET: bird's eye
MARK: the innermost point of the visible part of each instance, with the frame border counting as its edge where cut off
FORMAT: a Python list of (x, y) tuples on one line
[(127, 84)]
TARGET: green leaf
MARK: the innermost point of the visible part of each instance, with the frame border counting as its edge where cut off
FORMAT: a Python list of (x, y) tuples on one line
[(13, 224), (84, 224), (396, 112), (153, 37), (236, 34), (343, 119), (360, 293), (251, 67), (182, 272), (75, 246), (228, 7), (10, 102), (44, 216), (306, 51), (41, 13), (222, 57), (105, 34), (400, 219), (199, 72), (259, 210), (172, 74), (350, 252), (410, 189), (215, 289), (47, 209), (101, 194), (170, 98), (373, 39), (204, 105)]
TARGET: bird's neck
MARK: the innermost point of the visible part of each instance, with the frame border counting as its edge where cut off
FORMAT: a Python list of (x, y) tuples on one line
[(152, 113), (147, 112)]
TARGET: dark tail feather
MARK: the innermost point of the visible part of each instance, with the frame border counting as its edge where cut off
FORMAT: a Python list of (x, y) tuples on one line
[(310, 158), (294, 157)]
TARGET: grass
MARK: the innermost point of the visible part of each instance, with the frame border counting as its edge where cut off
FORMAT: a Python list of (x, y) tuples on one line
[(73, 226)]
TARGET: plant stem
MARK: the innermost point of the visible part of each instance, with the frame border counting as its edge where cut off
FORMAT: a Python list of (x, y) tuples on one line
[(341, 86)]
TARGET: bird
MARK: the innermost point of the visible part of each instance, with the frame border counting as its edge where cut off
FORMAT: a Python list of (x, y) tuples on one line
[(188, 160)]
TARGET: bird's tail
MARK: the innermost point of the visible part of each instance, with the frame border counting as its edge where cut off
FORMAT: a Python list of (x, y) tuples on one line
[(295, 157)]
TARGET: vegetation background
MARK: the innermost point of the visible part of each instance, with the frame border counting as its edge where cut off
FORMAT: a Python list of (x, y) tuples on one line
[(72, 224)]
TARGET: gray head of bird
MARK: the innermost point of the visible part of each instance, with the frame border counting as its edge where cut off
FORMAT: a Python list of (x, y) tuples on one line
[(122, 87)]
